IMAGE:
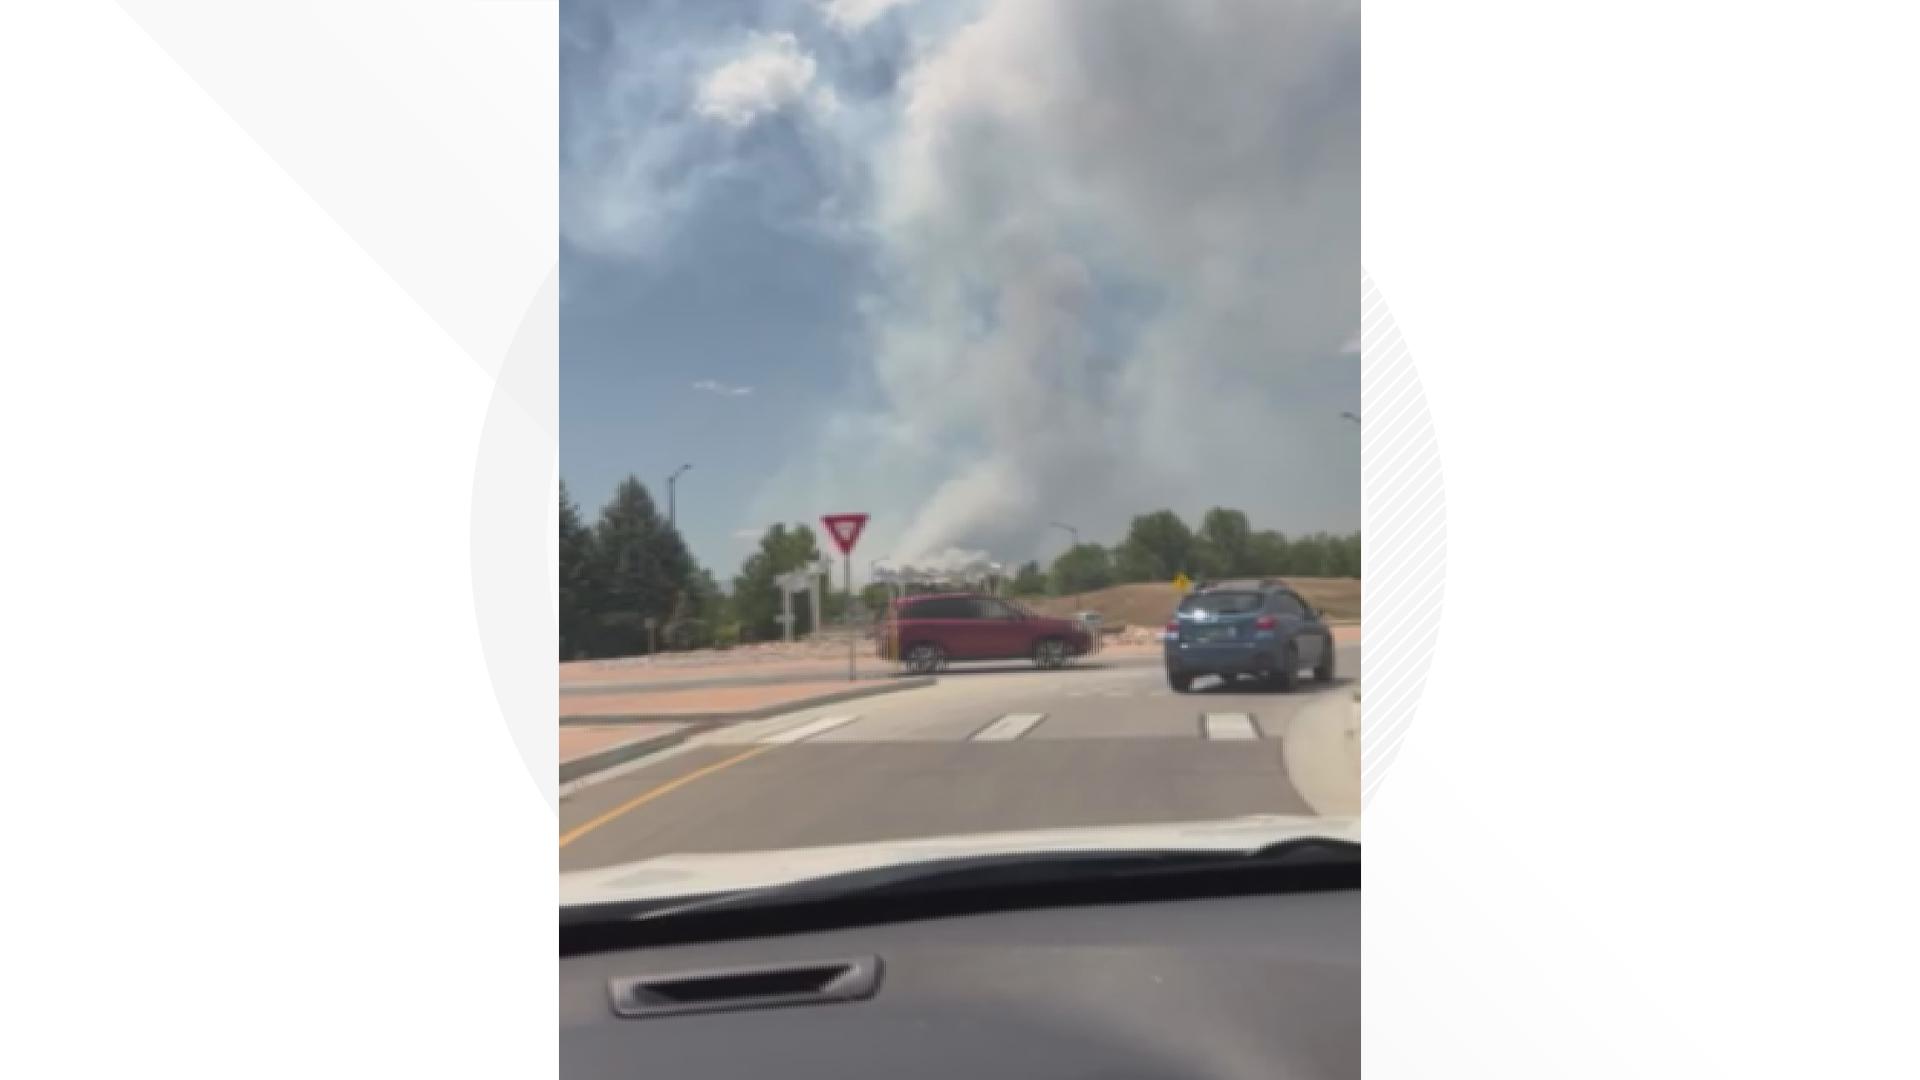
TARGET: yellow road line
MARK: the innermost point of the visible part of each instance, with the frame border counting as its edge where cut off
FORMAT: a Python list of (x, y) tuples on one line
[(651, 794)]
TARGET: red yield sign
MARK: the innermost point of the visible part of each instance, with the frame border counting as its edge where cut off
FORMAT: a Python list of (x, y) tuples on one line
[(845, 529)]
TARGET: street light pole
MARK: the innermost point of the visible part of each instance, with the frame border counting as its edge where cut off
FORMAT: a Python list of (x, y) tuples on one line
[(670, 482), (1075, 533)]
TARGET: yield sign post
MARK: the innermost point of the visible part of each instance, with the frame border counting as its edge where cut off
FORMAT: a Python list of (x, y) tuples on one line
[(845, 530)]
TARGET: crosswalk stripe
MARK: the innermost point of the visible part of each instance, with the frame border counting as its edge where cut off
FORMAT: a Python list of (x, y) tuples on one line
[(1009, 727), (809, 730), (1229, 726)]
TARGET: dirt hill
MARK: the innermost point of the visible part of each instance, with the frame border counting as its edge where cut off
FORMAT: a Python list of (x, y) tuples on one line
[(1152, 603)]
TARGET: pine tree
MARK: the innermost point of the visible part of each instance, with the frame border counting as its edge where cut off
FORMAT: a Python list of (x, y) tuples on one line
[(580, 588), (643, 565)]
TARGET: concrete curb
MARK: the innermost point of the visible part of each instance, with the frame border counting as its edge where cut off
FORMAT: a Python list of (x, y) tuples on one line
[(601, 760), (761, 713)]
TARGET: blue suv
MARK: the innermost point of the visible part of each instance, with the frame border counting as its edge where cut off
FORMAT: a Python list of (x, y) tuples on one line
[(1258, 629)]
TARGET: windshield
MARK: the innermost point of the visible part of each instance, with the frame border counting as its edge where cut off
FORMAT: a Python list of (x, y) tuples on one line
[(918, 361)]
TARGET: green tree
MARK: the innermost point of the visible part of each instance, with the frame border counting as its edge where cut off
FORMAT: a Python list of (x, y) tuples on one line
[(1158, 546), (580, 586), (1269, 553), (1308, 556), (1224, 545), (1029, 580), (643, 565), (756, 598), (1343, 556), (698, 615), (1082, 568)]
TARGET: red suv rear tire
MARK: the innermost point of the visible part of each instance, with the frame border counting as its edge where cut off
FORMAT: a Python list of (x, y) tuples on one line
[(924, 658), (1050, 653)]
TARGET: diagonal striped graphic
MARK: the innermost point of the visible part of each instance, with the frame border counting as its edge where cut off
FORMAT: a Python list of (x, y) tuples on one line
[(1009, 727), (1404, 518), (809, 729), (1228, 726)]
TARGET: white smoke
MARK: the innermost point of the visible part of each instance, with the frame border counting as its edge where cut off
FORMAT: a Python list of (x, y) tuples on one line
[(1122, 247)]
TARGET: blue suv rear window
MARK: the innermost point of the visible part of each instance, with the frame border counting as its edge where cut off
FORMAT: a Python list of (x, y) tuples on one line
[(1222, 603)]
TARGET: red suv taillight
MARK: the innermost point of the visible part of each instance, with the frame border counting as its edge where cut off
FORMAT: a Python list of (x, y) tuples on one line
[(1265, 622), (1173, 626)]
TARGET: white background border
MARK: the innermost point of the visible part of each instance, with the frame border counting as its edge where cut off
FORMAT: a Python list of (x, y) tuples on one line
[(1655, 263)]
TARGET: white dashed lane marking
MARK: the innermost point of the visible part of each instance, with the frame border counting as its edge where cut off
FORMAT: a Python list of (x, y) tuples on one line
[(1009, 727), (1229, 726), (809, 729)]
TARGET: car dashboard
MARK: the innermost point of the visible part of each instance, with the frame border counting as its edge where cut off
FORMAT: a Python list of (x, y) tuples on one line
[(1244, 987)]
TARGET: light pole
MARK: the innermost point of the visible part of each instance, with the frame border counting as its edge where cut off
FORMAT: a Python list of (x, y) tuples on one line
[(1075, 533), (670, 482)]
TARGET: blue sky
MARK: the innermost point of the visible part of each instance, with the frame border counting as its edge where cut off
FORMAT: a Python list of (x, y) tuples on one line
[(970, 267)]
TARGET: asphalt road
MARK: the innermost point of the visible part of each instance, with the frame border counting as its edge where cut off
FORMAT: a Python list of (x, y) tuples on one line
[(986, 749)]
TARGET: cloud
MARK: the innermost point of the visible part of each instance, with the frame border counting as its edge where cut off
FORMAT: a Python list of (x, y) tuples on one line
[(1120, 246), (772, 74), (713, 386), (851, 16)]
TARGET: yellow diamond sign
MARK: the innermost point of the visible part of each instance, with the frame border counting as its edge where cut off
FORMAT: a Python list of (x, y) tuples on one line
[(1182, 582)]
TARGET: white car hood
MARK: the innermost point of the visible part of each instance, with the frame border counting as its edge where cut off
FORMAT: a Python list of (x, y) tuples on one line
[(692, 875)]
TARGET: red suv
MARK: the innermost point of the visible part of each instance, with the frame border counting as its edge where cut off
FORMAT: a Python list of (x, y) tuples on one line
[(925, 632)]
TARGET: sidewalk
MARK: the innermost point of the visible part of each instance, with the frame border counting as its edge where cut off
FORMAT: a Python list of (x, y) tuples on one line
[(581, 740), (644, 682), (587, 676)]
